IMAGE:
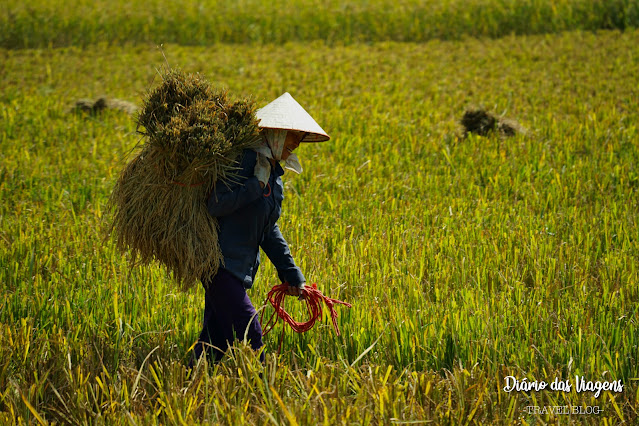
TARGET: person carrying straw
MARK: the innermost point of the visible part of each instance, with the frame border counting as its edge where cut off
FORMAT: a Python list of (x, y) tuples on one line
[(247, 212)]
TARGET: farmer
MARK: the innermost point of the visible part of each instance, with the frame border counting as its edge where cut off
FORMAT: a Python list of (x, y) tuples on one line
[(247, 213)]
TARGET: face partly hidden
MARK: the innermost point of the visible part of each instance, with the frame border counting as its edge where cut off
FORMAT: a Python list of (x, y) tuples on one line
[(291, 142)]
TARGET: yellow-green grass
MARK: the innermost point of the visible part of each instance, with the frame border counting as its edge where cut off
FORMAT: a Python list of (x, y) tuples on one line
[(43, 23), (466, 260)]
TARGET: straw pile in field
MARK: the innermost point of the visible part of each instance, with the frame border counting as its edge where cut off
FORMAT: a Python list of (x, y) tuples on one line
[(481, 122), (193, 138), (95, 107)]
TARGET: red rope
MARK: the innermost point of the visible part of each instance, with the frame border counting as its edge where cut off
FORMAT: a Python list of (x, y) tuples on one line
[(313, 298), (269, 190)]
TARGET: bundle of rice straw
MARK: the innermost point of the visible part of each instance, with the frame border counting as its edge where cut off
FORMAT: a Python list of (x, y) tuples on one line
[(193, 139), (483, 123)]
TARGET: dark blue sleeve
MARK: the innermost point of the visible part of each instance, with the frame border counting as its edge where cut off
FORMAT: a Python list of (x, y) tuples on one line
[(277, 250), (225, 199)]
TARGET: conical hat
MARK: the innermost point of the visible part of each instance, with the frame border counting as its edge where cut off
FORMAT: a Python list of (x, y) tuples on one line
[(286, 114)]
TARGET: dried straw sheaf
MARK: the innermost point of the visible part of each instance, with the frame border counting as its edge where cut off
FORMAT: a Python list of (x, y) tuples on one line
[(101, 104), (481, 122), (193, 139)]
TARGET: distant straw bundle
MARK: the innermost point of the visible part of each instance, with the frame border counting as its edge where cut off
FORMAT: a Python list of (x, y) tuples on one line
[(481, 122), (101, 104), (194, 137)]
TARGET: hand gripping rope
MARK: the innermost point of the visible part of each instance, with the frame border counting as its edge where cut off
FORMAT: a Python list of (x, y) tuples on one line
[(313, 298)]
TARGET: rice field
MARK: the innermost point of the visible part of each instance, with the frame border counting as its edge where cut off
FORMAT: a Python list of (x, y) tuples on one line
[(467, 259), (59, 23)]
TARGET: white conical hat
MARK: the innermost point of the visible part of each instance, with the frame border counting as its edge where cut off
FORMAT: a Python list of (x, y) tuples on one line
[(286, 114)]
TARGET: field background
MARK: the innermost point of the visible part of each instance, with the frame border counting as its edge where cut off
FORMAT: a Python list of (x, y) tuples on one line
[(466, 259)]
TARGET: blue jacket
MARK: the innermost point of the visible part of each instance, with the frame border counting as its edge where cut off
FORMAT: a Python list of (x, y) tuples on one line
[(247, 216)]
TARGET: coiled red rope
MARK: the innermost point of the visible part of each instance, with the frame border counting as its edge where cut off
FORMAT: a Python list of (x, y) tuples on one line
[(313, 298)]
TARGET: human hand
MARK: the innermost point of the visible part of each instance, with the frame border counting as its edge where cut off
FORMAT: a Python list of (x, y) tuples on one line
[(262, 169), (296, 290)]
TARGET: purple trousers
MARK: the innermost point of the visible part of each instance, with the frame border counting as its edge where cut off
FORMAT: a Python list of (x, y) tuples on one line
[(228, 315)]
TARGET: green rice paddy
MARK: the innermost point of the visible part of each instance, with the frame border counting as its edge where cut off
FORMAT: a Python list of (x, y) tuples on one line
[(467, 260)]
